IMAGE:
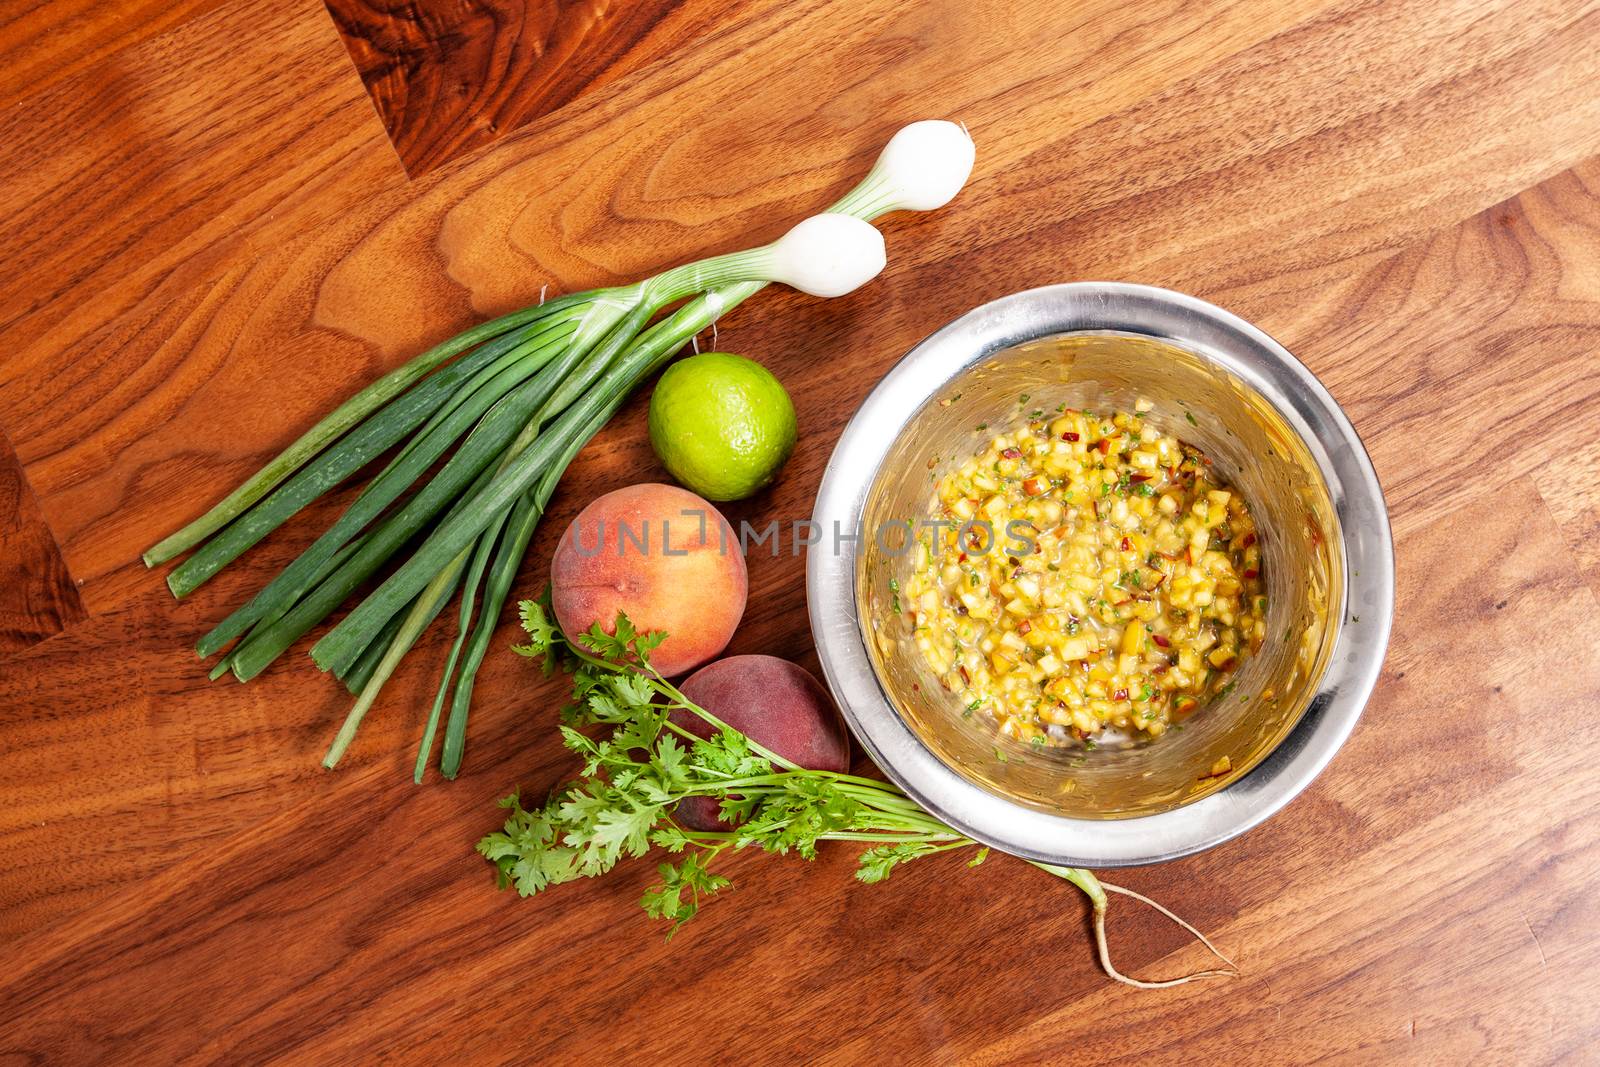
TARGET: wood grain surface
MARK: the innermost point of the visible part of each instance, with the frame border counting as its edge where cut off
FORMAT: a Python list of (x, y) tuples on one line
[(212, 236), (37, 596), (450, 75)]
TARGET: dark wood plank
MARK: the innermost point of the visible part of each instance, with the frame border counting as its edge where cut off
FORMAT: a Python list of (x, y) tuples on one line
[(38, 597), (449, 76)]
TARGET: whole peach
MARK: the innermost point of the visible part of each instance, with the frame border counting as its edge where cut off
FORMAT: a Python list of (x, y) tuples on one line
[(662, 555), (773, 702)]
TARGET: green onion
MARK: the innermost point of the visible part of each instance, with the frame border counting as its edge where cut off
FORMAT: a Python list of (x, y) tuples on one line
[(478, 431), (332, 425)]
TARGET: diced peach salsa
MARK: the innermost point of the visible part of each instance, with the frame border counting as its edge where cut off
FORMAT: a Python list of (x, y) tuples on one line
[(1120, 586)]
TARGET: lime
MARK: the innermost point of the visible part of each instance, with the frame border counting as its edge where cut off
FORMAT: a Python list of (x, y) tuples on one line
[(722, 424)]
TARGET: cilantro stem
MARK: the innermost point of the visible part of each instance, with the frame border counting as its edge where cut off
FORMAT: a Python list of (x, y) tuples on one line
[(686, 704), (1084, 880), (955, 840)]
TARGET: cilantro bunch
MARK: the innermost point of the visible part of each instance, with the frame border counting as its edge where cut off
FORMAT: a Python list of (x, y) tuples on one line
[(639, 762)]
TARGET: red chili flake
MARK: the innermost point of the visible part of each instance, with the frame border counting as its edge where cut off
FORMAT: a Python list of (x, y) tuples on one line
[(1024, 628), (965, 677), (1251, 572), (1104, 446), (1135, 479), (1119, 694), (1010, 453), (1247, 540), (962, 558), (1127, 545), (1161, 640), (1069, 436)]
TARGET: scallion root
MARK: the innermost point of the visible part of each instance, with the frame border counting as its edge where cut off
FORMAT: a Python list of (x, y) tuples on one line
[(1105, 951)]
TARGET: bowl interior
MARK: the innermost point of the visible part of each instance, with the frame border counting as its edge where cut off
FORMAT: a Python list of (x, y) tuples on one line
[(1255, 449)]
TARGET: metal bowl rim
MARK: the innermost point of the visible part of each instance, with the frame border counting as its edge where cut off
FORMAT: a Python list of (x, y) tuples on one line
[(1365, 541)]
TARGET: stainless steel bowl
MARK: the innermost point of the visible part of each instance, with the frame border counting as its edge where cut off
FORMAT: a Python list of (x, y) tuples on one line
[(1277, 436)]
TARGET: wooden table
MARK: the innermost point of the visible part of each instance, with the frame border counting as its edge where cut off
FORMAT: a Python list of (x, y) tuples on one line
[(211, 235)]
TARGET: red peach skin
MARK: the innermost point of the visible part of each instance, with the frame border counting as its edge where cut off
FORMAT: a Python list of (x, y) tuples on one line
[(690, 582), (774, 703)]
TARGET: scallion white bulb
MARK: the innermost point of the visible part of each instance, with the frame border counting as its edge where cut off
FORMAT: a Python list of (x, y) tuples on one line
[(922, 168), (827, 255)]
